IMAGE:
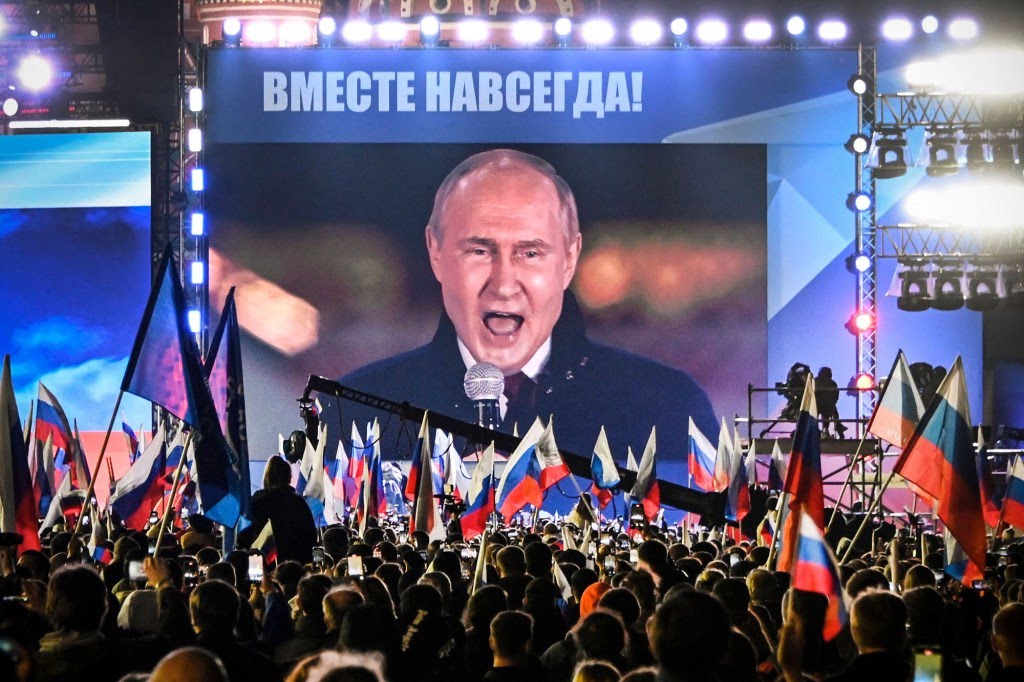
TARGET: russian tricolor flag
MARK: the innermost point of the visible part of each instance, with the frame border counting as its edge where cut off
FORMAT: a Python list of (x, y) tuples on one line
[(803, 477), (723, 459), (132, 440), (18, 512), (814, 570), (737, 499), (425, 514), (701, 456), (1013, 501), (899, 406), (356, 464), (51, 421), (520, 485), (645, 490), (479, 496), (603, 471), (552, 467), (142, 487), (940, 459)]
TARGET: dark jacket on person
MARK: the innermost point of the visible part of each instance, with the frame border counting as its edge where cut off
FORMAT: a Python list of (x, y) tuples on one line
[(291, 519), (883, 666), (585, 386)]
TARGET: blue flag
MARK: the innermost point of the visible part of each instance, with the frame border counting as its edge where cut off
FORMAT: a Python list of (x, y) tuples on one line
[(165, 368)]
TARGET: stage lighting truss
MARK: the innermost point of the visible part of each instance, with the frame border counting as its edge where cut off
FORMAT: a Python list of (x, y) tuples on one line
[(887, 156), (952, 283)]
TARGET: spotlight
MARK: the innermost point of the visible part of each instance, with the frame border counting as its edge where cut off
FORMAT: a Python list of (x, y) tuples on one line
[(858, 201), (260, 32), (198, 224), (712, 31), (976, 150), (326, 29), (832, 31), (930, 24), (195, 100), (563, 28), (1013, 286), (949, 289), (195, 320), (858, 262), (758, 31), (645, 32), (860, 322), (678, 27), (914, 289), (430, 30), (1005, 146), (296, 33), (10, 107), (198, 180), (195, 140), (528, 31), (982, 289), (897, 29), (34, 72), (888, 157), (864, 381), (796, 25), (198, 272), (942, 157), (231, 29), (391, 32), (858, 143), (357, 32), (963, 29), (598, 32), (472, 31), (857, 84)]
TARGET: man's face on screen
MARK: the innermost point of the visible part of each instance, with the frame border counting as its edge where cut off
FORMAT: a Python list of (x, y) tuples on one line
[(503, 261)]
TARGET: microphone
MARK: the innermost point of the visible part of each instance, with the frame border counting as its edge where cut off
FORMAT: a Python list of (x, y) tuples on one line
[(484, 383)]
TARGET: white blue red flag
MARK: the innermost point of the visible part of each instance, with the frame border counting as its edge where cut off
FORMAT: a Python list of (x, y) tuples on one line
[(1013, 501), (803, 477), (455, 475), (479, 496), (940, 459), (737, 499), (68, 501), (814, 570), (52, 421), (991, 501), (426, 516), (356, 465), (899, 406), (18, 508), (645, 490), (41, 463), (311, 484), (372, 503), (776, 469), (552, 466), (603, 471), (520, 482), (131, 439), (723, 458), (440, 459), (701, 456), (142, 487)]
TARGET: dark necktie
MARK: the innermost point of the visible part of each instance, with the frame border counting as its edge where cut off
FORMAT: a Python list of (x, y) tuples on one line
[(521, 392)]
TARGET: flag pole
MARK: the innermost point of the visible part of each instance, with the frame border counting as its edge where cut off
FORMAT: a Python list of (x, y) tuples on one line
[(773, 549), (849, 478), (99, 462), (169, 508), (867, 517)]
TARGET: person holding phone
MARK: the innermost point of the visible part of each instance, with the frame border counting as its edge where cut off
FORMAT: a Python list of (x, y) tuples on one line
[(287, 512)]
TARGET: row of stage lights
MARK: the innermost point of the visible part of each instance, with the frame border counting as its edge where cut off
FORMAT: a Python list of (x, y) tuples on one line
[(592, 33)]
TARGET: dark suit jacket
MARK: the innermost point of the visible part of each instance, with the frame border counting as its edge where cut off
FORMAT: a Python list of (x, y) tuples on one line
[(585, 386)]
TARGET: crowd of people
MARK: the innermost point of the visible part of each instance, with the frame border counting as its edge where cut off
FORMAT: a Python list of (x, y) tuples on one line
[(542, 604)]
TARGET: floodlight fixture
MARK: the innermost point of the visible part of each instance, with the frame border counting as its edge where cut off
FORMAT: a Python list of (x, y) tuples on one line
[(942, 152), (259, 32), (357, 32), (391, 32), (949, 289), (10, 107), (758, 31), (679, 27), (598, 32), (198, 272), (231, 28), (712, 31), (646, 32), (860, 322), (796, 25), (832, 31), (858, 84), (197, 224), (914, 296), (859, 202), (326, 31), (888, 157), (930, 24), (430, 30), (963, 28), (195, 100), (858, 143), (864, 381), (35, 72), (982, 289), (858, 262), (897, 29), (195, 140), (198, 180), (195, 320), (527, 31), (296, 33)]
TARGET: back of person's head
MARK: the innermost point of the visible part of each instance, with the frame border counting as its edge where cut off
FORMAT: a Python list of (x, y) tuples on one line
[(335, 666), (762, 587), (335, 542), (864, 580), (759, 555), (879, 622), (706, 580), (207, 556), (645, 674), (511, 561), (337, 603), (595, 671), (641, 584), (450, 563), (214, 608), (918, 576), (417, 598), (623, 602), (391, 575), (440, 582), (734, 594), (538, 559), (601, 634), (189, 663), (689, 633), (222, 571), (76, 600), (483, 605), (311, 592), (926, 614), (368, 627), (373, 535), (277, 473), (1008, 634), (541, 593), (581, 580), (511, 634), (652, 553)]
